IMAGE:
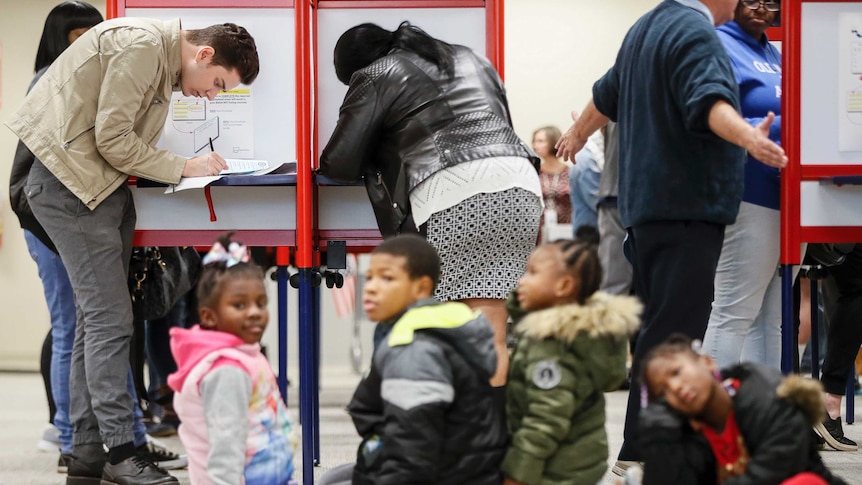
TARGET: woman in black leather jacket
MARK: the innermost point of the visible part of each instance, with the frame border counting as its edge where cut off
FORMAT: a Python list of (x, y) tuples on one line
[(427, 125)]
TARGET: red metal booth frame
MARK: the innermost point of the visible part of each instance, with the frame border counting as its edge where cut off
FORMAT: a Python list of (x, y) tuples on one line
[(306, 240), (793, 233)]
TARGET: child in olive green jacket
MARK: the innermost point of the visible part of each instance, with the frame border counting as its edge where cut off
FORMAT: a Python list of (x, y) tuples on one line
[(573, 347)]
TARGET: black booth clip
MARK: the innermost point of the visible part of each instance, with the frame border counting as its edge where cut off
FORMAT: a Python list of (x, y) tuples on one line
[(336, 259)]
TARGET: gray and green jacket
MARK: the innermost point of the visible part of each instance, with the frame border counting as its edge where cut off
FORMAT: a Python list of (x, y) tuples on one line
[(566, 358), (426, 411)]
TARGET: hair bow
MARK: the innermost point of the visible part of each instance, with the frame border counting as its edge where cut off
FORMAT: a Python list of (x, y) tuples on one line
[(234, 254)]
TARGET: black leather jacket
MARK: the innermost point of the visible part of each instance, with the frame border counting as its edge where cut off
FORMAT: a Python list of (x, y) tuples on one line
[(402, 113)]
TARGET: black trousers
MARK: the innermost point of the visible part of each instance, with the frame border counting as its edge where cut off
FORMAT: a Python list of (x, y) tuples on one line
[(674, 273), (842, 298)]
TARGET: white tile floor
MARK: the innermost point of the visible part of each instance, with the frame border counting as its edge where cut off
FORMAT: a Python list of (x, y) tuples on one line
[(23, 414)]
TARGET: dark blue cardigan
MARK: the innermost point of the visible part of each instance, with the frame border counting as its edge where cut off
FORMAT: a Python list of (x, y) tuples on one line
[(670, 71)]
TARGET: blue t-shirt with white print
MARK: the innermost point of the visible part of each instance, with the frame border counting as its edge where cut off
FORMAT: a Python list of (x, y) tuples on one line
[(757, 66)]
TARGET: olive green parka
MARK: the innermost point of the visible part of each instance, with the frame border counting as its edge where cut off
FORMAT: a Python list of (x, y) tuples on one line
[(566, 358)]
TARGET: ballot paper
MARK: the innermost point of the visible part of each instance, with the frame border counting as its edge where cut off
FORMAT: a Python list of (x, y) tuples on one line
[(241, 165), (258, 167)]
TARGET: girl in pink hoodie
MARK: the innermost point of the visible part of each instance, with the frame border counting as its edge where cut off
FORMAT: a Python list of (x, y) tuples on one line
[(224, 387)]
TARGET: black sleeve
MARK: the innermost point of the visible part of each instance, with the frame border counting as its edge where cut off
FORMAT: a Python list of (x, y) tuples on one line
[(360, 121), (780, 447), (672, 451), (366, 406), (21, 165), (417, 390)]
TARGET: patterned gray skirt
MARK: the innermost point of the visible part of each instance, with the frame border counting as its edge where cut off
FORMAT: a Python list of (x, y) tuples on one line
[(484, 243)]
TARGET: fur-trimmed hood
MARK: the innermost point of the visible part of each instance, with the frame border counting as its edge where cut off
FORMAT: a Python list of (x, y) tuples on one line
[(805, 393), (801, 391), (603, 315)]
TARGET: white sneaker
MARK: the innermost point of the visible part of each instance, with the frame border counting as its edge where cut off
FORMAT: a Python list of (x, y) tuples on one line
[(50, 440), (621, 466)]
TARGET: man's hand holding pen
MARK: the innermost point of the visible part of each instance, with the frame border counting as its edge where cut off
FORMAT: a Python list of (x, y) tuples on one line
[(203, 166)]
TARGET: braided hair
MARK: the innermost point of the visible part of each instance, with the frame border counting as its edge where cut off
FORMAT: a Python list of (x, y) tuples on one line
[(582, 261)]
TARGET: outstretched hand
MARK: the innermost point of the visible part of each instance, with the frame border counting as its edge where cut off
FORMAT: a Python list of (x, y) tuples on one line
[(762, 148), (204, 165), (570, 143)]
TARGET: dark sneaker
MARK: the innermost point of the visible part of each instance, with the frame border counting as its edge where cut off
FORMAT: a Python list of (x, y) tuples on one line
[(136, 471), (63, 463), (819, 442), (86, 465), (161, 429), (156, 453), (833, 433)]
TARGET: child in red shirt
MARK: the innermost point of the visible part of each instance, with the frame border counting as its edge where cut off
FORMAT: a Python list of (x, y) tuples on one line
[(747, 424)]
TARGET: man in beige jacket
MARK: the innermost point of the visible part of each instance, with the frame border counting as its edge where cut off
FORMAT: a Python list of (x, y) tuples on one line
[(92, 121)]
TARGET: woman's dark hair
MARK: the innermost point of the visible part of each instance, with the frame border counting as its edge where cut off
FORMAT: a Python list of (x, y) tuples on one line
[(365, 43), (215, 274), (582, 261), (63, 19)]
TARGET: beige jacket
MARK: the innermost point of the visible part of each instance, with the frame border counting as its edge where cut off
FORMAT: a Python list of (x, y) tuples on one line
[(95, 116)]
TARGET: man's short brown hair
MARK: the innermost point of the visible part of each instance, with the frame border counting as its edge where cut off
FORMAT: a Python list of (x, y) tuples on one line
[(234, 48)]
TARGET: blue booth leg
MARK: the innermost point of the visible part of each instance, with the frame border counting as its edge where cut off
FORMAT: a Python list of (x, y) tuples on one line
[(850, 398), (307, 382), (315, 332), (787, 330), (281, 274), (814, 343)]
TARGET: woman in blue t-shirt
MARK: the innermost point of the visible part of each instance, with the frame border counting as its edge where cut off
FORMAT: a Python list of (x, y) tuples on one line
[(745, 323)]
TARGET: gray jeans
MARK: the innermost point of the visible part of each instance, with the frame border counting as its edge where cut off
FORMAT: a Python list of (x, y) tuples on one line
[(95, 246), (617, 277)]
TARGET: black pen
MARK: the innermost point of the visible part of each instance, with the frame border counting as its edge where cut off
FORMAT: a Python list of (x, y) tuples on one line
[(208, 156)]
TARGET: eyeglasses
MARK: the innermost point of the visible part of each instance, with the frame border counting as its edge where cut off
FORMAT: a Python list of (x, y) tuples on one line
[(769, 5)]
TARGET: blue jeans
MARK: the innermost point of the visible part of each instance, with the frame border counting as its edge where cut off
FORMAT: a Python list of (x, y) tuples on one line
[(584, 187), (61, 306)]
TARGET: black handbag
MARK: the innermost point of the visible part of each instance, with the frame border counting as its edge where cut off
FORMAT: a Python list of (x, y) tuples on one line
[(391, 207), (829, 254), (159, 276)]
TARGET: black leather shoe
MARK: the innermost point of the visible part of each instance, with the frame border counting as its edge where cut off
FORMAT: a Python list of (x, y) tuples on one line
[(136, 471), (86, 465)]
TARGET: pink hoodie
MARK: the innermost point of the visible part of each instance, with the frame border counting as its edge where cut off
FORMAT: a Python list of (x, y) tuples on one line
[(198, 352)]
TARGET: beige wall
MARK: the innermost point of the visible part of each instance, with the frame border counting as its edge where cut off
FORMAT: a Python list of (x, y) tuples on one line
[(555, 50), (24, 321)]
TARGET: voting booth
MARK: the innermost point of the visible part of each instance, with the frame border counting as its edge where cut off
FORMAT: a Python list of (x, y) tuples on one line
[(821, 188), (286, 116)]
